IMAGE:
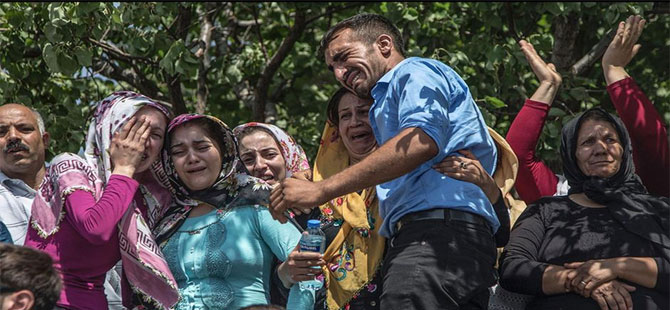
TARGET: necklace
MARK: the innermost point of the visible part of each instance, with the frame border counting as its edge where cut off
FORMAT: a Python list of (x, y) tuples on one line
[(219, 216)]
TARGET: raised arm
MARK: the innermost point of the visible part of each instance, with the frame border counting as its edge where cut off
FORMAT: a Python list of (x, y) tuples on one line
[(95, 221), (535, 179), (645, 125)]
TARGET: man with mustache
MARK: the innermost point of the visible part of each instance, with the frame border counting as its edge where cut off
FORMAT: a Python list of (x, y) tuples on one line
[(441, 253), (23, 141)]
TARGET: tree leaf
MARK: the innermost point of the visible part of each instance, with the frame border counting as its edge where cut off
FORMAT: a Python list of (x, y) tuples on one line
[(51, 32), (579, 93), (83, 55), (495, 102), (67, 65), (50, 57), (554, 112)]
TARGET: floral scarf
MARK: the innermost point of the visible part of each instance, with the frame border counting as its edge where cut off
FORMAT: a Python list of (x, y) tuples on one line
[(294, 155), (356, 252), (143, 263), (233, 187)]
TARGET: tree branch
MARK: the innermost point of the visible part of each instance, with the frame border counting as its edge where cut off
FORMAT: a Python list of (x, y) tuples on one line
[(258, 32), (180, 29), (138, 81), (206, 27), (176, 95), (117, 53), (593, 55), (332, 10), (565, 29), (510, 21), (264, 80)]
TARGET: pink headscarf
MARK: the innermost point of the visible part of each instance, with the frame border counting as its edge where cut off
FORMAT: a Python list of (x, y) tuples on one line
[(143, 262)]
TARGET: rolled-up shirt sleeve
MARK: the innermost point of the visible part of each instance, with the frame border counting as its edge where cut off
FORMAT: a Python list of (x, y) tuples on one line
[(424, 103)]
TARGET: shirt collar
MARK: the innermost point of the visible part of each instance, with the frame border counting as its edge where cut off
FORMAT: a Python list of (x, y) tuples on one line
[(383, 82), (13, 184)]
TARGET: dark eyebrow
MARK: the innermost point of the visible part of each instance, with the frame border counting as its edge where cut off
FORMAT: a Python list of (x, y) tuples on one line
[(176, 145), (338, 56)]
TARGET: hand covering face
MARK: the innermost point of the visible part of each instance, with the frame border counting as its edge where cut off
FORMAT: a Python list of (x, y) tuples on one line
[(143, 263)]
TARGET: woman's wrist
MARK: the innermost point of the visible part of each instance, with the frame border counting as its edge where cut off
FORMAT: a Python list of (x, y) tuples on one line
[(284, 276), (614, 74), (492, 191), (123, 170), (546, 92)]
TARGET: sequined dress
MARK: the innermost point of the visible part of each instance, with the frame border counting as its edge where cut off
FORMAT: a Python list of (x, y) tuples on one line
[(222, 260)]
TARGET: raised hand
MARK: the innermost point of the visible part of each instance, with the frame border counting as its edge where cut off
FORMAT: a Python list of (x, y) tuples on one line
[(622, 49), (127, 147), (547, 75), (613, 295), (544, 72)]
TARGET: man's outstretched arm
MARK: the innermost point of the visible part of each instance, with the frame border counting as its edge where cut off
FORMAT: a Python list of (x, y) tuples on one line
[(398, 156)]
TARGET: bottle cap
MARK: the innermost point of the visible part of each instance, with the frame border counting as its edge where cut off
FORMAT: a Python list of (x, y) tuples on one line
[(313, 224)]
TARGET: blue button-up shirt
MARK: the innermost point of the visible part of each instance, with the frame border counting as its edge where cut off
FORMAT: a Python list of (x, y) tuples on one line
[(427, 94)]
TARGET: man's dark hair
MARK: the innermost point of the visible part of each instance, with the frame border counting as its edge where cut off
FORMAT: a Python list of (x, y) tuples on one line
[(366, 28), (23, 268), (332, 111)]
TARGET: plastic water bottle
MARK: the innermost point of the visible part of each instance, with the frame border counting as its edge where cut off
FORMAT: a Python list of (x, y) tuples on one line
[(313, 241)]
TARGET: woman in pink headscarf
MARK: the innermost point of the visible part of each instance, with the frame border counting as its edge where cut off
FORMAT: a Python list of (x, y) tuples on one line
[(90, 213)]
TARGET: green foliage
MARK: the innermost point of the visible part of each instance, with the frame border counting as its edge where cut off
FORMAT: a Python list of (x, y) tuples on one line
[(62, 58)]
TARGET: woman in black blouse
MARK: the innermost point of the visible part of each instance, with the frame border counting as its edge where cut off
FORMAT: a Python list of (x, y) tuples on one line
[(606, 244)]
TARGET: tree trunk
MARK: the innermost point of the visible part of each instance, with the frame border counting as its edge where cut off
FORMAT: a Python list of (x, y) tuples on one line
[(565, 30), (263, 84)]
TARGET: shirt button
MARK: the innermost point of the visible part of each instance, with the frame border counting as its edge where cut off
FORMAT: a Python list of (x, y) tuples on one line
[(373, 303)]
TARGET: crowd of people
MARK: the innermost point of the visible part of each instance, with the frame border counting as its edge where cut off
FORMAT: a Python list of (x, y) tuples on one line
[(422, 205)]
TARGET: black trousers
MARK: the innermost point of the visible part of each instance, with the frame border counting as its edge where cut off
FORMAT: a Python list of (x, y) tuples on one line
[(439, 264)]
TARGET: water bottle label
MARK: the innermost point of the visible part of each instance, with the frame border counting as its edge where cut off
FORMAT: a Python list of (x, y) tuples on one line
[(311, 244), (310, 248)]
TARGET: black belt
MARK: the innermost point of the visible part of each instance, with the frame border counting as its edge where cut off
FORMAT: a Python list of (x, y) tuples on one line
[(442, 214)]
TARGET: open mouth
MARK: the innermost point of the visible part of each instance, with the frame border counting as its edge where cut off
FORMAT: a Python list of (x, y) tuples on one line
[(360, 136), (196, 170), (267, 177), (353, 77)]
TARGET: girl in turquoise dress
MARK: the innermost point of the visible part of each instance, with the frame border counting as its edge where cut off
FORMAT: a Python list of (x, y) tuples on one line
[(220, 240)]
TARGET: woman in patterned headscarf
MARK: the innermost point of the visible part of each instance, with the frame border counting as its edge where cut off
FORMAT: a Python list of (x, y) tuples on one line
[(268, 152), (219, 242), (73, 215)]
